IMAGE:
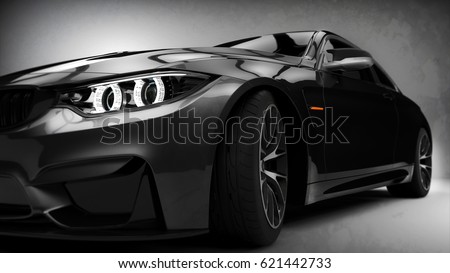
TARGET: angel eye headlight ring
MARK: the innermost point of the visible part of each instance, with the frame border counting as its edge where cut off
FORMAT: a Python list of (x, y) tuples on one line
[(148, 91), (134, 92), (107, 98)]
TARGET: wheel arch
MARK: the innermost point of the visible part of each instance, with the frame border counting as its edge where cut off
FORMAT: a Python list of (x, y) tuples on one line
[(298, 154), (427, 128), (411, 120)]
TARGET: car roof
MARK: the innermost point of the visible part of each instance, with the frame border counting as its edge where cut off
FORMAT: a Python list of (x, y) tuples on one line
[(326, 32)]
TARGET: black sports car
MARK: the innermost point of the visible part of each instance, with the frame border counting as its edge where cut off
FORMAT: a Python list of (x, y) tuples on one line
[(178, 142)]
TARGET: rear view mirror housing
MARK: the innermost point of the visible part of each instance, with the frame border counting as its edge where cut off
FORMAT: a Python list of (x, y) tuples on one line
[(347, 59)]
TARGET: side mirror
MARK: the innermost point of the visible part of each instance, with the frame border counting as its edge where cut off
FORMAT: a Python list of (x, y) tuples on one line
[(347, 59)]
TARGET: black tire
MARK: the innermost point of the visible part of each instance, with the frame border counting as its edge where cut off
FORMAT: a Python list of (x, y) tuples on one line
[(421, 180), (247, 169)]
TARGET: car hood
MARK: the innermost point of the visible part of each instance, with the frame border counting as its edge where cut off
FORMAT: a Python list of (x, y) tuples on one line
[(122, 63)]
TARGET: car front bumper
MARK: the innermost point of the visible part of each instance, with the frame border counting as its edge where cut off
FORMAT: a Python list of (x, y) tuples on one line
[(60, 175)]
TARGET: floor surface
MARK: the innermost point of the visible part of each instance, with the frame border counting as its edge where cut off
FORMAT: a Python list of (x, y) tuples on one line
[(372, 221)]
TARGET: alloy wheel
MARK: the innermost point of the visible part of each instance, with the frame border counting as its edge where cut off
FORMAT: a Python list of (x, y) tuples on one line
[(425, 161), (273, 167)]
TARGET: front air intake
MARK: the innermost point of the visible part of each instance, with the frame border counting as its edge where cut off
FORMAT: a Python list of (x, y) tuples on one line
[(13, 199), (15, 106)]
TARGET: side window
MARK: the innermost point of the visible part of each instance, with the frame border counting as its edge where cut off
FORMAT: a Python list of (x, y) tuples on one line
[(382, 77), (335, 43)]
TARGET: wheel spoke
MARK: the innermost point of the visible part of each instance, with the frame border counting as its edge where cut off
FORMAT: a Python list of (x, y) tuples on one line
[(425, 146), (428, 148), (276, 211), (427, 171), (422, 157), (422, 145), (274, 155), (271, 206), (270, 144), (265, 193), (274, 176), (279, 193), (271, 134), (425, 178)]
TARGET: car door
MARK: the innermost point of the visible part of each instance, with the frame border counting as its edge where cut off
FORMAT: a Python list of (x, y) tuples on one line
[(366, 116)]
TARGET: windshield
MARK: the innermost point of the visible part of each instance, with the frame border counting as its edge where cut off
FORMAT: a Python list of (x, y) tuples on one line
[(292, 44)]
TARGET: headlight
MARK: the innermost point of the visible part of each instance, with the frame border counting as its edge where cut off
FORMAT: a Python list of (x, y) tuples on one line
[(133, 92)]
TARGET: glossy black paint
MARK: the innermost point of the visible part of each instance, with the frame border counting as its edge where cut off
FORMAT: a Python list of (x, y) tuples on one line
[(370, 114), (83, 188)]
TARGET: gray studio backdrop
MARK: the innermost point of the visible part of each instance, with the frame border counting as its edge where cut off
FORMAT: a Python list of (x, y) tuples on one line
[(411, 39)]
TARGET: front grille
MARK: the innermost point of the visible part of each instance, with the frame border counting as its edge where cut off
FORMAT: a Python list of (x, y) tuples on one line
[(15, 106)]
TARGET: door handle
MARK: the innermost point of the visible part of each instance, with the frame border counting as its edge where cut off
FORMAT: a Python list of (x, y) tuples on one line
[(389, 96)]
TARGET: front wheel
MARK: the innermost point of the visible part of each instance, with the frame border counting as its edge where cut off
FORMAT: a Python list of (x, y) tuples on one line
[(248, 195), (421, 180)]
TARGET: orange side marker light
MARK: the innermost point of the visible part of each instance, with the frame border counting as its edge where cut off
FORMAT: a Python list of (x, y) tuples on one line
[(316, 108)]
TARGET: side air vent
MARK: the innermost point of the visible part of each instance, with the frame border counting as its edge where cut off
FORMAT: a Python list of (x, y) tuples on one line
[(15, 106)]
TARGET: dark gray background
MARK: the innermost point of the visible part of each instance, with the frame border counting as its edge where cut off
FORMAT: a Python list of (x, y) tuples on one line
[(410, 39)]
